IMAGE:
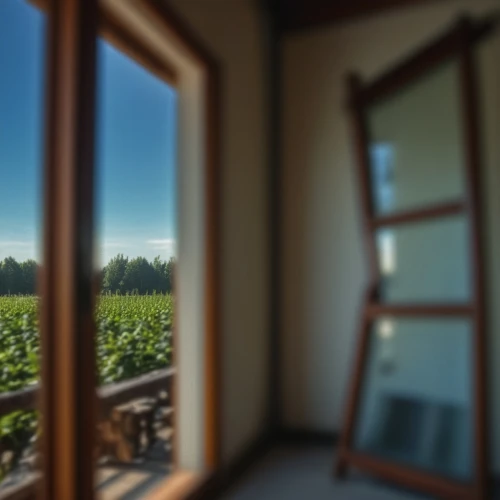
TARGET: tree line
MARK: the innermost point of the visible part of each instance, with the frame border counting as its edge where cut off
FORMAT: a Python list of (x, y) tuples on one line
[(121, 275)]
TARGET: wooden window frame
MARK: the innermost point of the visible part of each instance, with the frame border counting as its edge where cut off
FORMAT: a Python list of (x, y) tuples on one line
[(68, 393), (455, 43)]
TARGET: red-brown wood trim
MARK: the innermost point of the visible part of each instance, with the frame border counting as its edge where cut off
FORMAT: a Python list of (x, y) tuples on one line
[(471, 140), (174, 24), (123, 39), (362, 159), (67, 312), (459, 42), (360, 132), (375, 310), (410, 477), (110, 395), (420, 214), (113, 31), (181, 485), (349, 425), (213, 346), (423, 60)]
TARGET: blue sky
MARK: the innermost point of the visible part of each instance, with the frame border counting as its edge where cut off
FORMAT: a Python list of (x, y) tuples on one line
[(135, 147)]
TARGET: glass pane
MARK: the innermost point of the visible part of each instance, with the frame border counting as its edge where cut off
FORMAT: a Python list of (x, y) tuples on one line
[(22, 51), (137, 219), (425, 262), (416, 402), (416, 144)]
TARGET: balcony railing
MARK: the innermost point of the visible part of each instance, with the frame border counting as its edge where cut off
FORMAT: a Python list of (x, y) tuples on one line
[(134, 415)]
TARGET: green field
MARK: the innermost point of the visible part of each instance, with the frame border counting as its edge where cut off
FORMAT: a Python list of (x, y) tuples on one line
[(134, 336)]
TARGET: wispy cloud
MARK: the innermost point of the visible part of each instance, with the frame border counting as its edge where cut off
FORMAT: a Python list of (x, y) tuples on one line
[(14, 243), (162, 244)]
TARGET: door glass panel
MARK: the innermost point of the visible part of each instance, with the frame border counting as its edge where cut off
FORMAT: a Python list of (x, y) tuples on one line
[(22, 62), (137, 251), (416, 154), (416, 401), (425, 261)]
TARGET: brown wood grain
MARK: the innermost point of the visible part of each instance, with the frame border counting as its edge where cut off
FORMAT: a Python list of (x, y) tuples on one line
[(117, 34), (361, 141), (457, 42), (420, 214), (375, 310), (409, 477), (354, 391), (67, 312), (109, 395), (472, 152), (114, 32), (126, 41), (180, 486)]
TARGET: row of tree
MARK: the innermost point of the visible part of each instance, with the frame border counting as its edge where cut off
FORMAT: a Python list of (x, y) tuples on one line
[(138, 275), (120, 275), (18, 277)]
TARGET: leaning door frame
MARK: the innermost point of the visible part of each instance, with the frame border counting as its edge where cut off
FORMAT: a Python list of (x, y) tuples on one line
[(455, 43)]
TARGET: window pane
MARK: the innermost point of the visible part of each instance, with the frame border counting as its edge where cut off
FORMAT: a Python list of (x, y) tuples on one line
[(22, 51), (137, 219), (416, 402), (425, 262), (416, 144)]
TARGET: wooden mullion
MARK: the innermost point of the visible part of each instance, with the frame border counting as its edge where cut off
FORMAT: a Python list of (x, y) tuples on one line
[(116, 33), (67, 326), (361, 138), (353, 396), (472, 151), (420, 214), (375, 310), (360, 131)]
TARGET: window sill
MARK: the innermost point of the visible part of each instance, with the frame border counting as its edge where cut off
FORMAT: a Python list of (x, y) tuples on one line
[(180, 485)]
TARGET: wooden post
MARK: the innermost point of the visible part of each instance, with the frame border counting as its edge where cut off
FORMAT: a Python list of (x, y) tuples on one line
[(67, 326)]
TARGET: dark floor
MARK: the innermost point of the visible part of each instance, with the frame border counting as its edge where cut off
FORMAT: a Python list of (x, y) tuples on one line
[(305, 473)]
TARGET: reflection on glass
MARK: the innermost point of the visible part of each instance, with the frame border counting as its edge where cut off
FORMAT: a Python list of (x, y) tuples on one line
[(137, 216), (425, 261), (416, 400), (22, 51), (416, 155)]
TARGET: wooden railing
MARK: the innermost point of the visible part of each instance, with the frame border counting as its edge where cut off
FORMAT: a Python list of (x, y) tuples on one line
[(110, 395), (121, 406)]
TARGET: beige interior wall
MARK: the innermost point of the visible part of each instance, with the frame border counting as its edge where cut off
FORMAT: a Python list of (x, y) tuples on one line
[(324, 272), (232, 31)]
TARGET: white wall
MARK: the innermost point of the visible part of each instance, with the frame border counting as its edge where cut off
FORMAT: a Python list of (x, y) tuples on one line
[(324, 272), (232, 31)]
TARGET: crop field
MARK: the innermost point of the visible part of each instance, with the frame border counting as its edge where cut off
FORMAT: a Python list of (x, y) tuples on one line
[(134, 336)]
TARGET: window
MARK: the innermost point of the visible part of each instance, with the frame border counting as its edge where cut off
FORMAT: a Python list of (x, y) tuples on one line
[(87, 124)]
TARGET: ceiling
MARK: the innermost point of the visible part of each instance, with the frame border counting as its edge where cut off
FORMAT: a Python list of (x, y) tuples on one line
[(301, 14)]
